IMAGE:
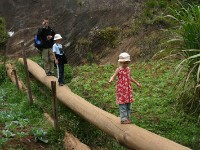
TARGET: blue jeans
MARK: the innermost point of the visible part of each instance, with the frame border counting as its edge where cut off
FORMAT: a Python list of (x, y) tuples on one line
[(60, 69), (125, 111)]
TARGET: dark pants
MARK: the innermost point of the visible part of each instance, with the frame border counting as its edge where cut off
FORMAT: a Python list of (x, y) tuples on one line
[(60, 69)]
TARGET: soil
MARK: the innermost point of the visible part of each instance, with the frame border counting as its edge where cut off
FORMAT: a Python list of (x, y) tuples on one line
[(25, 143), (72, 19)]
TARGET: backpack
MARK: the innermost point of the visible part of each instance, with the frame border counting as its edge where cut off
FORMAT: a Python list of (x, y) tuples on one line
[(37, 42)]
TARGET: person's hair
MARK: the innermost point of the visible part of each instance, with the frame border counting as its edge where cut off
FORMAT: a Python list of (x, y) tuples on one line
[(120, 63)]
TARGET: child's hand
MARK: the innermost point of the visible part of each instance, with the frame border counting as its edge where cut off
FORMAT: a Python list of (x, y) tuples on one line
[(139, 85), (56, 61), (110, 81)]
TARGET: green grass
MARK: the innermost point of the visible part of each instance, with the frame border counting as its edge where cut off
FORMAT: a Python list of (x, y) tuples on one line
[(155, 109), (18, 120)]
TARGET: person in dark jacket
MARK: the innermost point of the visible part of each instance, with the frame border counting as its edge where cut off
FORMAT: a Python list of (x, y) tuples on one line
[(46, 34)]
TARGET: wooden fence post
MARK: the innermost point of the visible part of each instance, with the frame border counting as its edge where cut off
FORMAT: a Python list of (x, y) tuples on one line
[(27, 74), (54, 102), (16, 79)]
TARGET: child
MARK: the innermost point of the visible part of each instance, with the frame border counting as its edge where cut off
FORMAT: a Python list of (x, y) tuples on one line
[(124, 95), (58, 58)]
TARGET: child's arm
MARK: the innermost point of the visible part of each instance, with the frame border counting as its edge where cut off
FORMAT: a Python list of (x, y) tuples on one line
[(114, 76), (54, 57), (137, 83)]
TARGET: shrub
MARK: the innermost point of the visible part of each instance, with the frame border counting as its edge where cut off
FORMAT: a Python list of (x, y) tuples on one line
[(3, 34), (187, 33), (107, 36), (2, 73)]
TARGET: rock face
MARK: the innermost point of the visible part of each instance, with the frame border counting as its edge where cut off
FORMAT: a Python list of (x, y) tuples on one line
[(71, 18)]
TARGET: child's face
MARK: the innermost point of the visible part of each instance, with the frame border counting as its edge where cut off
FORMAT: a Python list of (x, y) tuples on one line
[(125, 64), (58, 41)]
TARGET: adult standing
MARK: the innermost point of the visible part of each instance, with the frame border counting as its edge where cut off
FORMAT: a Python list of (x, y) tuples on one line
[(46, 34)]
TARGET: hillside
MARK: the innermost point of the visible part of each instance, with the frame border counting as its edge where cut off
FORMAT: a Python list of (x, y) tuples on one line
[(73, 19)]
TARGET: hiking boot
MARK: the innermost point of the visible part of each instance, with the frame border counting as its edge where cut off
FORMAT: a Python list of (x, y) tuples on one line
[(61, 84), (50, 74)]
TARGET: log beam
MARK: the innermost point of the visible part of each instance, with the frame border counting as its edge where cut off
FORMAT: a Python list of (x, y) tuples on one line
[(129, 135)]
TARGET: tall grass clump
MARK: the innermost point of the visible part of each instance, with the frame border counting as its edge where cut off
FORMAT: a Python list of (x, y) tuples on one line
[(187, 37)]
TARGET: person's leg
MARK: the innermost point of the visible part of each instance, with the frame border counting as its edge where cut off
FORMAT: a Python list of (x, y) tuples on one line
[(62, 72), (51, 61), (45, 60), (129, 110), (123, 112)]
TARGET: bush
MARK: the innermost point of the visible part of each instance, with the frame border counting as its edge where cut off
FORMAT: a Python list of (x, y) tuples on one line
[(2, 74), (3, 34), (187, 35), (107, 36)]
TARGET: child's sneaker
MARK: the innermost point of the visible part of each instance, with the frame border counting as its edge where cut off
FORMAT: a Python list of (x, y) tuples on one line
[(126, 122)]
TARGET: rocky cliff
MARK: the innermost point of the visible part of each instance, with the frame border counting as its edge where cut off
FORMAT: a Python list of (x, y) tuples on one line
[(73, 19)]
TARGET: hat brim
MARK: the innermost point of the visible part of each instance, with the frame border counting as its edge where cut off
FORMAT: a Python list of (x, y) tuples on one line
[(123, 60), (57, 39)]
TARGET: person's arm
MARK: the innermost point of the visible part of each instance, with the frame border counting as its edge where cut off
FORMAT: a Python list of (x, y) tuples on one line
[(39, 33), (55, 59), (54, 54), (51, 34), (114, 75), (136, 82)]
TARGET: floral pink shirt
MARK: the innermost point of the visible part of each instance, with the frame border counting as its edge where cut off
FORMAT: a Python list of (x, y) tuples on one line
[(124, 92)]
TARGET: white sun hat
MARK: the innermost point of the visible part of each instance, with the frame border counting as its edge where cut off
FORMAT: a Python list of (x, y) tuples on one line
[(57, 37), (123, 57)]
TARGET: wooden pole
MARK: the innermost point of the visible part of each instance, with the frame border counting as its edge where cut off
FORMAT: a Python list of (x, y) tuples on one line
[(16, 79), (54, 102), (27, 74)]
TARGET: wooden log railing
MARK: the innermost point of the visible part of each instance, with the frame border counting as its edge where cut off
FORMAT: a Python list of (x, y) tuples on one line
[(129, 135)]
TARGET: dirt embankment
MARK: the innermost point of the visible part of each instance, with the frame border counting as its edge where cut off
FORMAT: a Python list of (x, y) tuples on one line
[(73, 19)]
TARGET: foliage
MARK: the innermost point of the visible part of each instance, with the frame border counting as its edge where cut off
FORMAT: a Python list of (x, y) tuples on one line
[(107, 36), (3, 33), (18, 120), (187, 36), (83, 49), (83, 46), (68, 75), (40, 135), (155, 107), (2, 74)]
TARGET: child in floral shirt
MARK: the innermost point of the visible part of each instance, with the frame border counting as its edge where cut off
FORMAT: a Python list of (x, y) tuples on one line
[(124, 94)]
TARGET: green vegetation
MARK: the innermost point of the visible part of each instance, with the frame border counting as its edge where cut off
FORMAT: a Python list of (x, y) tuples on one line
[(187, 36), (89, 49), (108, 36), (20, 123), (3, 34), (155, 108)]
